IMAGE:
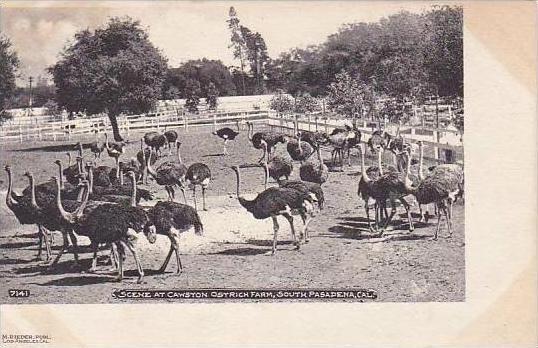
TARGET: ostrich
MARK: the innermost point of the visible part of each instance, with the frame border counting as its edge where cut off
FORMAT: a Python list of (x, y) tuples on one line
[(304, 187), (198, 174), (155, 141), (438, 189), (141, 157), (312, 172), (171, 219), (171, 138), (377, 140), (273, 202), (264, 140), (108, 223), (315, 139), (97, 148), (391, 184), (72, 171), (24, 211), (279, 167), (114, 150), (299, 151), (226, 134), (339, 143), (354, 139), (170, 174), (368, 189), (116, 193)]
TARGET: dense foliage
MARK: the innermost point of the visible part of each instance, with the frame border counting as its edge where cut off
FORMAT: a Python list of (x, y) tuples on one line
[(9, 63), (205, 72), (405, 54), (115, 69)]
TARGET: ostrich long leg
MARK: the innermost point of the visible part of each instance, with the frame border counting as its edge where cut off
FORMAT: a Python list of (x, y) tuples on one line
[(167, 259), (367, 208), (438, 224), (183, 192), (120, 261), (292, 227), (95, 247), (275, 234), (176, 250), (40, 235), (203, 198), (194, 197), (64, 248), (449, 217), (74, 243), (225, 152), (131, 248)]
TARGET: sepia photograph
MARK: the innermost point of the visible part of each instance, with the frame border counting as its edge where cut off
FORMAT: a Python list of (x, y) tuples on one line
[(202, 151), (246, 173)]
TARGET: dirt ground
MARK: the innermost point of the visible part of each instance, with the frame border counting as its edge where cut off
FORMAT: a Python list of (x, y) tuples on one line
[(402, 266)]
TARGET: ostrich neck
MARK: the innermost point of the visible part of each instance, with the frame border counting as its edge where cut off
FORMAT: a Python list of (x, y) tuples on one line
[(421, 164), (407, 181), (61, 176), (150, 169), (363, 168), (80, 150), (90, 179), (10, 201), (32, 193), (178, 155), (69, 159), (250, 131), (320, 158), (133, 196), (117, 167), (80, 210), (106, 142), (69, 217), (379, 162)]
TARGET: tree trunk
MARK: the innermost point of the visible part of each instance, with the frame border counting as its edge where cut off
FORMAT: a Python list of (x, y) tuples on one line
[(115, 130)]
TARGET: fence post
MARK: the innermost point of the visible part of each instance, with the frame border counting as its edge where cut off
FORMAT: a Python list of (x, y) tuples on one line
[(309, 122), (317, 117), (326, 129), (20, 132)]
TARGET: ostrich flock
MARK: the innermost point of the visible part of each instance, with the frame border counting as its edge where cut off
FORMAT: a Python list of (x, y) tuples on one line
[(96, 201)]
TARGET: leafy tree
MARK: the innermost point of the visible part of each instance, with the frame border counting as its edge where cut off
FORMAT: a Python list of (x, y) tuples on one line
[(52, 108), (205, 71), (212, 96), (444, 49), (305, 103), (9, 63), (115, 69), (349, 96), (193, 96), (237, 44), (281, 103), (257, 56)]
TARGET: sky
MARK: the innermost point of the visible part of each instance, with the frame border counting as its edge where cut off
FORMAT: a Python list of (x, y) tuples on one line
[(182, 30)]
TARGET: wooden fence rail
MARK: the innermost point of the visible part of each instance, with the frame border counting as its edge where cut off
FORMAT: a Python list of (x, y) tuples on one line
[(168, 119)]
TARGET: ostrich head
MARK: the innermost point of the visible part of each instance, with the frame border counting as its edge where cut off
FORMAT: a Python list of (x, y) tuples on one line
[(150, 231), (8, 168)]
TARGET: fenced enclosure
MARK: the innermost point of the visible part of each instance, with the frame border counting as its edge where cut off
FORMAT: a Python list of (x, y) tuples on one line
[(447, 144)]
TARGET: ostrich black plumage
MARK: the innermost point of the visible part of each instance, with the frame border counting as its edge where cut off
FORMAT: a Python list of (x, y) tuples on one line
[(171, 219), (274, 202), (171, 138), (226, 134), (26, 214), (198, 174)]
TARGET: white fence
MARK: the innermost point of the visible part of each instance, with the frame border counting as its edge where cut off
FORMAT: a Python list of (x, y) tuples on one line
[(439, 139)]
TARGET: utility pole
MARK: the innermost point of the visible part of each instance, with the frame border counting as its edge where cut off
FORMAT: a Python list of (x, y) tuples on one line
[(30, 101)]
